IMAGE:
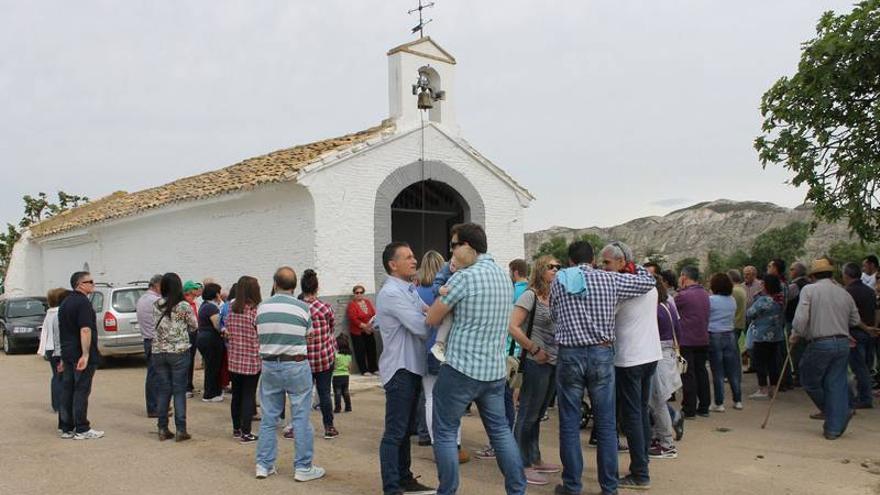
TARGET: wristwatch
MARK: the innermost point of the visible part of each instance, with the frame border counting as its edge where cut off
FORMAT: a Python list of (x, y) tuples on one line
[(535, 350)]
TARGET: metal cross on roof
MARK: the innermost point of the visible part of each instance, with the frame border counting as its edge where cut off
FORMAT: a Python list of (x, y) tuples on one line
[(420, 27)]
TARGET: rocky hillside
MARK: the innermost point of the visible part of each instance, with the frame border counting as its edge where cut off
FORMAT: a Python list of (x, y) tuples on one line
[(721, 225)]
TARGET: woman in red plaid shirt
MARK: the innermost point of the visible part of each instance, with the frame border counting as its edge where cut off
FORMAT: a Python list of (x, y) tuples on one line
[(243, 346), (321, 347)]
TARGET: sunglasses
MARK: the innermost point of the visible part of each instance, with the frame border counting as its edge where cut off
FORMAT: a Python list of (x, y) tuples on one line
[(92, 282), (359, 293), (455, 244), (554, 267)]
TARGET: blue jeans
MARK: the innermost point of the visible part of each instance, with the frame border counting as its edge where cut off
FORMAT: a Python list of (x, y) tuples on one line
[(171, 378), (452, 394), (323, 380), (725, 362), (858, 362), (279, 380), (401, 406), (150, 382), (591, 369), (538, 382), (634, 393), (823, 376)]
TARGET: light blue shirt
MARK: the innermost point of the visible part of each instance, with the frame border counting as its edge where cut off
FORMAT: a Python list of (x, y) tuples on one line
[(722, 310), (400, 314)]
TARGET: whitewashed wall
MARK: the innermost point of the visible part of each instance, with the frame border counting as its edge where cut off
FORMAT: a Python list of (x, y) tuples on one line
[(345, 195), (251, 233)]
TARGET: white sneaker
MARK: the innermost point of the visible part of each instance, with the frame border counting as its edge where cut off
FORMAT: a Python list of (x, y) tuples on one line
[(759, 395), (263, 473), (89, 435), (439, 351), (217, 398), (738, 406), (189, 395), (717, 408), (309, 474), (66, 435)]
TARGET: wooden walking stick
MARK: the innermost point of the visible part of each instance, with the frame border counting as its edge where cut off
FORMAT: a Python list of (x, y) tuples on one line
[(773, 399)]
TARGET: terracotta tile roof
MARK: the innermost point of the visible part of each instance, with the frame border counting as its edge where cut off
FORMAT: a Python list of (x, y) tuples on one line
[(277, 166)]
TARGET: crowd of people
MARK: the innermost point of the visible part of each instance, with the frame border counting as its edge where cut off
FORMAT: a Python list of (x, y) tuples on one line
[(606, 339)]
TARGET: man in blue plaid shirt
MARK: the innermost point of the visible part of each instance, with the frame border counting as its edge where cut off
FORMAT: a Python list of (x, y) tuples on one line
[(582, 304), (475, 362)]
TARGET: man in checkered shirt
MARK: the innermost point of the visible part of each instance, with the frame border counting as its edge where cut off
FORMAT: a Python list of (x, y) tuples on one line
[(582, 304), (474, 371)]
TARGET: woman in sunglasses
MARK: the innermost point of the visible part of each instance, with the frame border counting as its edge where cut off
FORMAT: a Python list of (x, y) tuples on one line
[(532, 327), (360, 325)]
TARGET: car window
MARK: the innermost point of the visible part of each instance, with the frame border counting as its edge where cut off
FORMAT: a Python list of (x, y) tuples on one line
[(97, 301), (125, 300), (22, 308)]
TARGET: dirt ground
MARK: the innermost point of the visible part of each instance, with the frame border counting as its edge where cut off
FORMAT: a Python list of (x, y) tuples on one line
[(725, 454)]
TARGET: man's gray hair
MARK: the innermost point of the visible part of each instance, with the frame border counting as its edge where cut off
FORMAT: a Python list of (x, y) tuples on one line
[(156, 279), (691, 272), (734, 275), (852, 271), (799, 269), (618, 250)]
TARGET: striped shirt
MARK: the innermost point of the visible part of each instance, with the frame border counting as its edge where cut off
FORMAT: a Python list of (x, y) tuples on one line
[(480, 296), (282, 324)]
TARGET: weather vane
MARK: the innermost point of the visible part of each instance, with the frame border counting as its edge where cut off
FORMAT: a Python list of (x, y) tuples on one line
[(420, 28)]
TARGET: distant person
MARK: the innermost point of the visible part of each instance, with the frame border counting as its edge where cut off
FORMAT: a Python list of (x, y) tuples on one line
[(147, 325), (797, 281), (322, 348), (360, 314), (77, 324), (283, 322), (245, 365), (401, 319), (50, 347), (724, 357), (475, 371), (823, 318), (766, 333), (866, 303), (869, 271), (210, 343), (192, 291), (692, 302), (637, 351), (582, 304), (752, 285), (341, 372), (670, 281), (651, 267), (170, 355), (739, 295), (533, 328), (668, 424)]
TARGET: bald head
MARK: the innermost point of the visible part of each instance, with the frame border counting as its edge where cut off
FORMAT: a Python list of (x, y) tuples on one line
[(285, 279)]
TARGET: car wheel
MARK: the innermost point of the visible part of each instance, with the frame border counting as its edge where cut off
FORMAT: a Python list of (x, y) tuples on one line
[(7, 345)]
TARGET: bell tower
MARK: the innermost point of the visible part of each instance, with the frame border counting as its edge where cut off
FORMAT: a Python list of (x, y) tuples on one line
[(421, 75)]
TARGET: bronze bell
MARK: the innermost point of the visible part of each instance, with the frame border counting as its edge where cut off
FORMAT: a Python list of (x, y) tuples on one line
[(425, 101)]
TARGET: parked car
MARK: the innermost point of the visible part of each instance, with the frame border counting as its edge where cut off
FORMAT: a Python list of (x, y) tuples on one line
[(21, 321), (116, 311)]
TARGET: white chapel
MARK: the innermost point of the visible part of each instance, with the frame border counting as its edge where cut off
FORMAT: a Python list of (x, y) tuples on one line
[(330, 205)]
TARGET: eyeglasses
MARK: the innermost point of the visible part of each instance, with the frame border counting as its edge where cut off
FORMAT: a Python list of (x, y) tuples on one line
[(554, 267), (359, 293), (455, 244)]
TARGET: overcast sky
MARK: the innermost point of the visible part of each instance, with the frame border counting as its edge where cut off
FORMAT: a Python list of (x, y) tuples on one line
[(605, 110)]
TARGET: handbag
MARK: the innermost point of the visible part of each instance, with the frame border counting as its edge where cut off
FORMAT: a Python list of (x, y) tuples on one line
[(514, 369), (681, 363)]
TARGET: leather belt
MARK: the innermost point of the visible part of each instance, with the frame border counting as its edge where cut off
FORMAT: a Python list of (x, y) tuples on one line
[(285, 358), (830, 337)]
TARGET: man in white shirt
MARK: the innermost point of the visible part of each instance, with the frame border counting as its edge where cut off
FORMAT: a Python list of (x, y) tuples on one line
[(869, 271), (637, 350)]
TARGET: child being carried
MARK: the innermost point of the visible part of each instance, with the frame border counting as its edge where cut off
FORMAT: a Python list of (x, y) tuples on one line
[(463, 257)]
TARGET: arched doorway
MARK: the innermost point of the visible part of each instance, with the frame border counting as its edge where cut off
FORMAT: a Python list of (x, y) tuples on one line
[(424, 212)]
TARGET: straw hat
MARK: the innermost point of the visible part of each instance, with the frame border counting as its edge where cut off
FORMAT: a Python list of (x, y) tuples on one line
[(821, 265)]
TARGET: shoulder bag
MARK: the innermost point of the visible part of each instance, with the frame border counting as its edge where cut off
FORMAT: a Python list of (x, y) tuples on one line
[(681, 363), (514, 370)]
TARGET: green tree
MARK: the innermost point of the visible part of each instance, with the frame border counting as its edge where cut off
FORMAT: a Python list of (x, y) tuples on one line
[(842, 252), (653, 255), (689, 261), (36, 209), (557, 246), (784, 242), (823, 123), (717, 262)]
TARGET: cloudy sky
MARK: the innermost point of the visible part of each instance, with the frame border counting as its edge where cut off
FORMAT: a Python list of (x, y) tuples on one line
[(605, 110)]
